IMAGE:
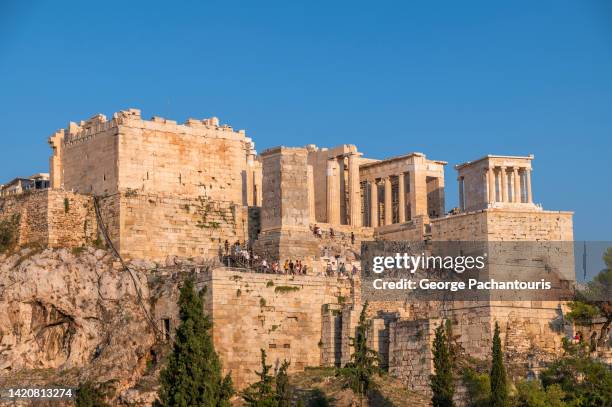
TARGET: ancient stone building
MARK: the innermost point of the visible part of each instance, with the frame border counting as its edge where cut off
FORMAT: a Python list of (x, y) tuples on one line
[(166, 189), (173, 188)]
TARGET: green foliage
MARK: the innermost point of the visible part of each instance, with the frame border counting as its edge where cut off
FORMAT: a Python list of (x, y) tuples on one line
[(77, 251), (359, 372), (89, 395), (581, 312), (478, 387), (270, 390), (584, 380), (270, 283), (9, 232), (530, 393), (442, 380), (499, 390), (193, 374), (286, 289), (596, 300)]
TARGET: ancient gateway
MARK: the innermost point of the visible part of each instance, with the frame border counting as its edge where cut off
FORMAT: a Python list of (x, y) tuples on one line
[(167, 189)]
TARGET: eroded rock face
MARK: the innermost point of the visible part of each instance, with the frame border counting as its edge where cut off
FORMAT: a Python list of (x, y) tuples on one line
[(73, 310)]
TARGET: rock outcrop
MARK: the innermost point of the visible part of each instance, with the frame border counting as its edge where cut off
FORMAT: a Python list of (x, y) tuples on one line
[(74, 311)]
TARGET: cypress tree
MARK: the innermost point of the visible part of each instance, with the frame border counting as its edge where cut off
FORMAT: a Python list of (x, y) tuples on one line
[(262, 393), (359, 372), (499, 390), (442, 380), (193, 375)]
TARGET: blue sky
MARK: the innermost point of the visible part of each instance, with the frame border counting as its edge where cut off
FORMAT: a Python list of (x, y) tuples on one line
[(455, 80)]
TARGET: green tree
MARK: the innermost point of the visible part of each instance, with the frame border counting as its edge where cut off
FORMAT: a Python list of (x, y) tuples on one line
[(283, 390), (499, 390), (595, 300), (89, 395), (478, 386), (359, 372), (193, 375), (584, 380), (441, 382), (530, 393), (269, 390)]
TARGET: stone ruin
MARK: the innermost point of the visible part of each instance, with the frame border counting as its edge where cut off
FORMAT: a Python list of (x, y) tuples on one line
[(182, 190)]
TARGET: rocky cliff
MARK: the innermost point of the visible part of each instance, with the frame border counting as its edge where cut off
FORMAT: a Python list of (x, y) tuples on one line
[(68, 316)]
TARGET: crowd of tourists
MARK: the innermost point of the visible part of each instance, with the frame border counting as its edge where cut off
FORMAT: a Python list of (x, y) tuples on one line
[(238, 255)]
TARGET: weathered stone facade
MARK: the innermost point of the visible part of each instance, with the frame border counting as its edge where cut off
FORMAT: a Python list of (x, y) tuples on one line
[(167, 189)]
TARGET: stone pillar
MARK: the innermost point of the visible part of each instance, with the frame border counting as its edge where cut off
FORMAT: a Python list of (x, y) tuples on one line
[(402, 198), (373, 204), (528, 180), (517, 185), (461, 197), (342, 191), (354, 190), (333, 198), (55, 161), (311, 194), (388, 202), (504, 184), (492, 188), (418, 193)]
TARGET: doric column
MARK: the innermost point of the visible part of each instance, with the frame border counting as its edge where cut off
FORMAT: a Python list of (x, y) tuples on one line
[(491, 173), (373, 204), (461, 198), (354, 190), (517, 185), (333, 198), (528, 180), (342, 191), (388, 202), (504, 184), (402, 198), (311, 194)]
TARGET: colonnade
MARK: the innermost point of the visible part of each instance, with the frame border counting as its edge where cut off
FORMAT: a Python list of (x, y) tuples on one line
[(508, 184)]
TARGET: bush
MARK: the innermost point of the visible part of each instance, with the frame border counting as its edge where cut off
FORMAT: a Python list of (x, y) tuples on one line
[(89, 395), (9, 233)]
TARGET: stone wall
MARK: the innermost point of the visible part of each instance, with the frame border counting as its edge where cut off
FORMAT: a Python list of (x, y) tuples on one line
[(410, 357), (157, 156), (156, 226), (279, 313), (52, 218), (504, 225)]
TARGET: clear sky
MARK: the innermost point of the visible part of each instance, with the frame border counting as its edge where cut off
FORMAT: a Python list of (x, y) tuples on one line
[(452, 79)]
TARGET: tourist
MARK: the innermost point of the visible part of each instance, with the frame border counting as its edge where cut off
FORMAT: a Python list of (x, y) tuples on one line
[(291, 267), (226, 244), (286, 266), (352, 238)]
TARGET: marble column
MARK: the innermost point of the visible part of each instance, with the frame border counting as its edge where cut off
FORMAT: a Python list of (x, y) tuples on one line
[(373, 204), (517, 185), (402, 198), (504, 184), (333, 192), (342, 191), (491, 173), (528, 180), (311, 194), (388, 202), (461, 198), (354, 190)]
